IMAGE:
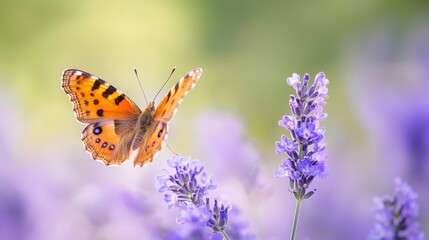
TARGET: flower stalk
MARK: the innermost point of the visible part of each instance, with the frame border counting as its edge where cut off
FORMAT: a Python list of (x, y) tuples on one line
[(295, 219)]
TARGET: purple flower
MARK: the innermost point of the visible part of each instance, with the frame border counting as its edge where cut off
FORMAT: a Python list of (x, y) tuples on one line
[(288, 122), (307, 169), (219, 216), (186, 189), (189, 184), (305, 147), (287, 169), (396, 215), (306, 132), (286, 146)]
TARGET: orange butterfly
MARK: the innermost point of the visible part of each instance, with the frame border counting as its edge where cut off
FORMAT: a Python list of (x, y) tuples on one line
[(116, 125)]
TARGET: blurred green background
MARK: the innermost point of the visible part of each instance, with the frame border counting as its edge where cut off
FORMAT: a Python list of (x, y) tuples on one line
[(246, 49)]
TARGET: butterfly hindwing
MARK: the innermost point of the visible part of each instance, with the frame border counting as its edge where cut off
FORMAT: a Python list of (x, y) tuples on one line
[(168, 107), (109, 141), (151, 143), (94, 99)]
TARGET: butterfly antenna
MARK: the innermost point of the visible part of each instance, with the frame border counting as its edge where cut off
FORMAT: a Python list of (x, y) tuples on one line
[(138, 79), (168, 146), (172, 71)]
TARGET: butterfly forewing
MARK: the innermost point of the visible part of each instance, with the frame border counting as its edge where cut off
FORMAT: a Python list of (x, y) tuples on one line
[(168, 107), (94, 99), (153, 141)]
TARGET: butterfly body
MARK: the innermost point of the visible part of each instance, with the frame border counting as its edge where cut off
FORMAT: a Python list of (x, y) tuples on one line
[(146, 118), (116, 125), (144, 122)]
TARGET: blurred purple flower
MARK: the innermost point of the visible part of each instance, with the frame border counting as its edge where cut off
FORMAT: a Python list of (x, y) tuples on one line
[(305, 148), (14, 221), (388, 77), (396, 215), (220, 136), (188, 186), (238, 230), (200, 215)]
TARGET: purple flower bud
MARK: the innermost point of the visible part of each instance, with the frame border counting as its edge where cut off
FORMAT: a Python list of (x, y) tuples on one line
[(294, 81), (219, 217)]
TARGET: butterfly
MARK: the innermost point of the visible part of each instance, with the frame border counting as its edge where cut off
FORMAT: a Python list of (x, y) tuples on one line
[(115, 124)]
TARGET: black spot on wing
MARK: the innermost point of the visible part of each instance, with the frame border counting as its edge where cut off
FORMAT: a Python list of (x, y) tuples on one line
[(119, 99), (176, 87), (97, 84), (100, 112), (97, 131), (109, 91), (168, 96), (96, 102)]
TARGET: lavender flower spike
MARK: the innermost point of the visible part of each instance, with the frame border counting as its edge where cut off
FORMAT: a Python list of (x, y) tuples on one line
[(305, 147), (395, 216), (187, 189), (189, 184)]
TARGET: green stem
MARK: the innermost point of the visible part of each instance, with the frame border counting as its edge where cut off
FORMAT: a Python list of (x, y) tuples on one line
[(295, 220), (225, 236)]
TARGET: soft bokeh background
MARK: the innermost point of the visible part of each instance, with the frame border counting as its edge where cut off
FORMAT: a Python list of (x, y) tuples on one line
[(375, 53)]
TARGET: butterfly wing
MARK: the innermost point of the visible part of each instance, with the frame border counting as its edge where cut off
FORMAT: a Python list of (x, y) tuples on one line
[(110, 114), (109, 140), (157, 133), (151, 144), (94, 99), (168, 107)]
